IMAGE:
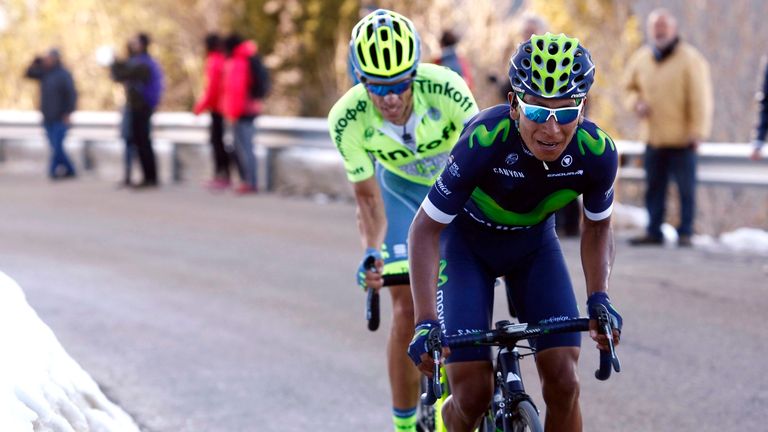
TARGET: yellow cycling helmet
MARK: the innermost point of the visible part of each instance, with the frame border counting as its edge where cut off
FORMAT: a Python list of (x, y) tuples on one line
[(384, 47)]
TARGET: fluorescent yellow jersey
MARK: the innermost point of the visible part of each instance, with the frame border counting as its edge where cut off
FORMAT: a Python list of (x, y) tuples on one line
[(442, 104)]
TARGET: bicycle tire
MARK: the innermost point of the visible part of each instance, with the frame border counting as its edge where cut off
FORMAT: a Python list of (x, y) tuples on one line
[(525, 419)]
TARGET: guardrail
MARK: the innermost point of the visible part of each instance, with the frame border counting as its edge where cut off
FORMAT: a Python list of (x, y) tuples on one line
[(179, 129)]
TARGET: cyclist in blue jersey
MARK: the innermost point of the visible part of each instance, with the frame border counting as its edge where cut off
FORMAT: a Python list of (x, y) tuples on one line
[(395, 131), (490, 214)]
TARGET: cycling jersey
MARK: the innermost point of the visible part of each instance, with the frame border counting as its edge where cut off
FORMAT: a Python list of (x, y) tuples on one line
[(442, 104), (493, 177)]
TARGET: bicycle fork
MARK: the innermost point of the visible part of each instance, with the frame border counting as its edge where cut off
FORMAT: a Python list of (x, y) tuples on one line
[(509, 386)]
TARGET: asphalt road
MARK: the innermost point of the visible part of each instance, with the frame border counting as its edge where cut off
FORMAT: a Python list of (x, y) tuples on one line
[(202, 312)]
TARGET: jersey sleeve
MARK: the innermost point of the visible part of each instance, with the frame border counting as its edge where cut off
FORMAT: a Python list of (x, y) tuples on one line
[(466, 166), (604, 161), (346, 129)]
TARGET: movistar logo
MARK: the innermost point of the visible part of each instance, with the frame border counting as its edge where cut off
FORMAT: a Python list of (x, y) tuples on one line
[(485, 138), (442, 278), (597, 144)]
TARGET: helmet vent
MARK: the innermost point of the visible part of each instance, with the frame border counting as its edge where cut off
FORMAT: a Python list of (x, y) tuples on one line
[(578, 53), (549, 84), (540, 45), (396, 27), (567, 46), (369, 32), (526, 63), (384, 36), (537, 59), (360, 56), (387, 59), (551, 65), (536, 75), (536, 87), (552, 48), (522, 74), (562, 89), (374, 57), (410, 48), (577, 67), (563, 76), (578, 79), (566, 62)]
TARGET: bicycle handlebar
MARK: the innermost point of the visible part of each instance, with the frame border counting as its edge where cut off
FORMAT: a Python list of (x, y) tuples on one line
[(372, 309), (510, 334), (435, 390), (608, 359)]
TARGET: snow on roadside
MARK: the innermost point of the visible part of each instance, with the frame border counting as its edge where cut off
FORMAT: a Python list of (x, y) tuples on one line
[(42, 388)]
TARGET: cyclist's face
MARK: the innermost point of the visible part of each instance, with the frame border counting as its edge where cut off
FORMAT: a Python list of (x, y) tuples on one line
[(395, 108), (547, 140)]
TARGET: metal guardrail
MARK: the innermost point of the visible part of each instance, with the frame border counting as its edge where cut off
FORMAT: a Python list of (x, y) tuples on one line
[(275, 133)]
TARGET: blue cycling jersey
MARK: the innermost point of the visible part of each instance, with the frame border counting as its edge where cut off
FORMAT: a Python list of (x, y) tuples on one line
[(493, 177)]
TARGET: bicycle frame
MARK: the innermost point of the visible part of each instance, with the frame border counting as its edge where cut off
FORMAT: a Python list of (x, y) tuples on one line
[(507, 370)]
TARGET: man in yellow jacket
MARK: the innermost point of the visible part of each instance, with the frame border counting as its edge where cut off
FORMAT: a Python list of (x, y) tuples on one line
[(669, 88)]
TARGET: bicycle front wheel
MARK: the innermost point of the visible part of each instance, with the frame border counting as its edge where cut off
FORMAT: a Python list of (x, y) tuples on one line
[(524, 419)]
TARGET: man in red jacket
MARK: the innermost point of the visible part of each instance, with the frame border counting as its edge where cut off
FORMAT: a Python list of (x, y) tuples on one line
[(240, 107), (210, 101)]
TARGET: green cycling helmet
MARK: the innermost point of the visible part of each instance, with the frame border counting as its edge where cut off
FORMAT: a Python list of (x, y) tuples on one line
[(552, 66), (384, 47)]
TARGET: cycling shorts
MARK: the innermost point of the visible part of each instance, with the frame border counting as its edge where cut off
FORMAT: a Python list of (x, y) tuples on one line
[(402, 199), (535, 272)]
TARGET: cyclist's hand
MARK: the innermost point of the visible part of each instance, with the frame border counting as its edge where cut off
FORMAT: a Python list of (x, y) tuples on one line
[(616, 320), (366, 278), (420, 351)]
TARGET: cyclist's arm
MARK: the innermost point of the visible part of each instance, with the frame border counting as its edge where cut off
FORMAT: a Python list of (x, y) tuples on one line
[(371, 218), (597, 245), (423, 261), (597, 253)]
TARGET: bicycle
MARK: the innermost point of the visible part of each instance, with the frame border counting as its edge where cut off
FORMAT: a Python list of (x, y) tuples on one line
[(512, 409)]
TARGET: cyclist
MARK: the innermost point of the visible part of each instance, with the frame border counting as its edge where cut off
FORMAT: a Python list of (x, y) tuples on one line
[(490, 213), (407, 116)]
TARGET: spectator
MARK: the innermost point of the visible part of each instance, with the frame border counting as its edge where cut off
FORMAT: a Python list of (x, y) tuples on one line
[(211, 101), (241, 104), (58, 98), (762, 122), (669, 89), (451, 59), (143, 80), (530, 24)]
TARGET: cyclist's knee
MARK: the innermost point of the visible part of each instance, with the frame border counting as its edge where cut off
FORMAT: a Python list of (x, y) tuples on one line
[(560, 381), (472, 389)]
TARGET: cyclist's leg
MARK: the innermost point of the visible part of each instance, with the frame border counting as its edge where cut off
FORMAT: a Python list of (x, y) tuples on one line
[(471, 392), (401, 200), (403, 376), (465, 304), (542, 291)]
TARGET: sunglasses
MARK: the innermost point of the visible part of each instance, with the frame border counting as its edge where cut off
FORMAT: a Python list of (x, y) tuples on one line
[(385, 89), (540, 114)]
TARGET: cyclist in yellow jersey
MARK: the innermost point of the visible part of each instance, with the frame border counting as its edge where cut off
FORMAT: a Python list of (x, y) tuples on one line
[(395, 131)]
